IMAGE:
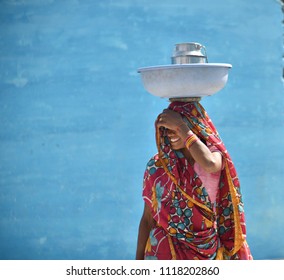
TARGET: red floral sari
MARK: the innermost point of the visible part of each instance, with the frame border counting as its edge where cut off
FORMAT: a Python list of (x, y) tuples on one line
[(188, 224)]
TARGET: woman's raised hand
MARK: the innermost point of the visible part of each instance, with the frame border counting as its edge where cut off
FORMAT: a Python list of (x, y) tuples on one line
[(171, 120)]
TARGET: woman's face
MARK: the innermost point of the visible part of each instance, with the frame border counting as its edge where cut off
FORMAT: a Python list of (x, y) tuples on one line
[(175, 141)]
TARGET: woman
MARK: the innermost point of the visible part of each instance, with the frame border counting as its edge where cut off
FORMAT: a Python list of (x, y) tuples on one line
[(193, 206)]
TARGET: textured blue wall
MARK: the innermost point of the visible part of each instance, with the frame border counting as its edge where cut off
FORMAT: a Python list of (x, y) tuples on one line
[(77, 125)]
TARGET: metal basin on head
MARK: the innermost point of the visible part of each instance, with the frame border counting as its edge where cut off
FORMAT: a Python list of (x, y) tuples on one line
[(185, 80)]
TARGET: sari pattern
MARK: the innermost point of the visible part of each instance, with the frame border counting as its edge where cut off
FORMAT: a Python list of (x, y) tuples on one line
[(188, 224)]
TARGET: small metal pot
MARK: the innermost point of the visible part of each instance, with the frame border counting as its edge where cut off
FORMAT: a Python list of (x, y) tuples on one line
[(186, 53)]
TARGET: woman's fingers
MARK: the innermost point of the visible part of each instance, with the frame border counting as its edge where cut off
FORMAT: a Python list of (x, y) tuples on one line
[(169, 119)]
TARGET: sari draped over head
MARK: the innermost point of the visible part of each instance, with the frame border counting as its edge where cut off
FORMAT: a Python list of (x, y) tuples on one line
[(188, 225)]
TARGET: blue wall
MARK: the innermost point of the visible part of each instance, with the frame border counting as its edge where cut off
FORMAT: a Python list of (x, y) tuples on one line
[(77, 125)]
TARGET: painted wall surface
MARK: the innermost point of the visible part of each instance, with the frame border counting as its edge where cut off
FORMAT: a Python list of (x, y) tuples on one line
[(77, 126)]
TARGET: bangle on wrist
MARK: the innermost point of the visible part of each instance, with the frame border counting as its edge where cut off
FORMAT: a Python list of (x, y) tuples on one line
[(190, 140)]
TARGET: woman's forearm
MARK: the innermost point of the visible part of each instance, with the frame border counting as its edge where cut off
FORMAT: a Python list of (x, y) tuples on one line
[(210, 161), (143, 235)]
